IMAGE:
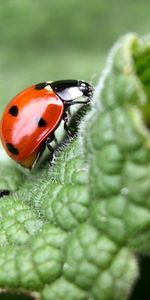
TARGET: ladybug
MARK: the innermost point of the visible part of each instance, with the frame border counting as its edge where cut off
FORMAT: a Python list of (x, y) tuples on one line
[(29, 121)]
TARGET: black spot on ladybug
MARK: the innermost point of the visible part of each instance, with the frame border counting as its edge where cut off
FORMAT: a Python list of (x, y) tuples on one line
[(42, 123), (12, 149), (40, 86), (4, 193), (14, 111)]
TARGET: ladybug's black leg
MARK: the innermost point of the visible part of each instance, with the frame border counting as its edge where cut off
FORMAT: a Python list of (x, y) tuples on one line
[(48, 141), (66, 122), (50, 148), (4, 193), (68, 111), (55, 139), (40, 152)]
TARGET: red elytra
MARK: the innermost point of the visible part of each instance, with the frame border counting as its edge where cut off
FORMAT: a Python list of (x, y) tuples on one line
[(33, 115)]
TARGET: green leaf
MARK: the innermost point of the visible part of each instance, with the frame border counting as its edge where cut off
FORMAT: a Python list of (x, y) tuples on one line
[(71, 230), (11, 177)]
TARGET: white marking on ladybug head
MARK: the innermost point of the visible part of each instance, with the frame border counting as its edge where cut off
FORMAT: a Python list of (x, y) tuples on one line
[(48, 88), (75, 92)]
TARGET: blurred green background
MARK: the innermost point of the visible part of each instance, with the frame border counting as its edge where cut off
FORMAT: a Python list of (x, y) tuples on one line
[(57, 39)]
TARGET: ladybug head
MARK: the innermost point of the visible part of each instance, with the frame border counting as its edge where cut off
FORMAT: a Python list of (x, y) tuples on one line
[(85, 88), (69, 90)]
